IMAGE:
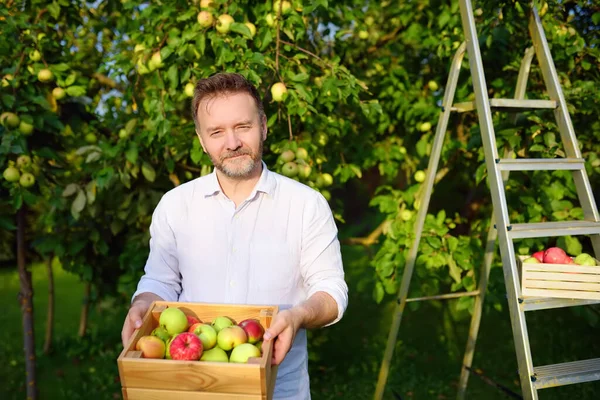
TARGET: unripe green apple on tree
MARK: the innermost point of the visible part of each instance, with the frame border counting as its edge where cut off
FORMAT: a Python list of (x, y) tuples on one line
[(224, 23), (59, 93), (11, 174), (189, 89), (205, 19), (278, 91), (45, 75)]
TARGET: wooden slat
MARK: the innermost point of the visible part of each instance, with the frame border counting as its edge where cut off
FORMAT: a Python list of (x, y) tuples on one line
[(562, 285), (565, 294), (563, 277), (156, 394), (562, 268)]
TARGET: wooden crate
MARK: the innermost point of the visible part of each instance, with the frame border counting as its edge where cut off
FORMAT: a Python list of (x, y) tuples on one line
[(568, 281), (164, 379)]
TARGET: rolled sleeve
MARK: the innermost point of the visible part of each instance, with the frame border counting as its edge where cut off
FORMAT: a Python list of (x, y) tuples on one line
[(161, 272), (321, 258)]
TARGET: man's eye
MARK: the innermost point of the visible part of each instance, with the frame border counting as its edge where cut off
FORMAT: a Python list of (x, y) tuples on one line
[(215, 133)]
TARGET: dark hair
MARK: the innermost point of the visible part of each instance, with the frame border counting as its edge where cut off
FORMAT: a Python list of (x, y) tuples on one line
[(223, 83)]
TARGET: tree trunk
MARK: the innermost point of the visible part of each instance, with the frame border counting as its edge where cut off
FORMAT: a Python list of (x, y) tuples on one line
[(26, 302), (85, 309), (50, 312)]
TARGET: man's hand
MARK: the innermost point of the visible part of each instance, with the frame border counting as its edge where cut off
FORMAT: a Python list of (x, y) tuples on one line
[(136, 313), (283, 328)]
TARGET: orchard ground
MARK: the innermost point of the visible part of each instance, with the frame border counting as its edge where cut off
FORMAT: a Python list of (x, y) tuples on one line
[(344, 358)]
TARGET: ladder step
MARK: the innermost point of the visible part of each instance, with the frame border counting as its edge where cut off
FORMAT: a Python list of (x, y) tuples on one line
[(551, 229), (566, 373), (540, 164), (545, 303), (507, 103)]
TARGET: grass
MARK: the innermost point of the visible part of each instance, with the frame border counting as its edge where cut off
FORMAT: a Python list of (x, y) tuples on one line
[(344, 358)]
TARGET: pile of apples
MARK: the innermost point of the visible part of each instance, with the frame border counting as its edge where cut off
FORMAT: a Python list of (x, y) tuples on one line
[(556, 255), (185, 337)]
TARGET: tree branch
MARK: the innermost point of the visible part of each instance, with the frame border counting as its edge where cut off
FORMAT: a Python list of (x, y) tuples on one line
[(106, 81), (310, 53), (372, 238), (384, 39)]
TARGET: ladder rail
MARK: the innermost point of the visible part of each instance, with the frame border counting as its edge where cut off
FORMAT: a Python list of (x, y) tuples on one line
[(420, 221), (519, 325)]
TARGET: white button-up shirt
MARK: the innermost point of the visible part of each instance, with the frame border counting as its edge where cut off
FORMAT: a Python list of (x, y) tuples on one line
[(278, 247)]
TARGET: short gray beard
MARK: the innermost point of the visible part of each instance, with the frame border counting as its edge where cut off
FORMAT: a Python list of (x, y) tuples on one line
[(238, 173)]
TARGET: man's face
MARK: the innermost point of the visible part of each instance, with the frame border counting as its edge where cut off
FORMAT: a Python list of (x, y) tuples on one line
[(232, 133)]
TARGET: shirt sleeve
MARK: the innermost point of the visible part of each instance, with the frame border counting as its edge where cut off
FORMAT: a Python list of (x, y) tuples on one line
[(161, 273), (321, 259)]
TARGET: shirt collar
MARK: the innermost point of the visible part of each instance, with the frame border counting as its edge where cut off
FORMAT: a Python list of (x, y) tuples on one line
[(265, 184)]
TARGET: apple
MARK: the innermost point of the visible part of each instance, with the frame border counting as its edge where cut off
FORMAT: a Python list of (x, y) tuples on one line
[(270, 19), (406, 215), (10, 120), (326, 193), (585, 259), (290, 169), (151, 347), (6, 80), (207, 335), (286, 6), (205, 19), (322, 138), (254, 330), (25, 128), (231, 336), (556, 255), (301, 153), (35, 56), (287, 156), (304, 171), (531, 260), (419, 176), (11, 174), (161, 333), (185, 346), (241, 353), (91, 138), (206, 4), (216, 354), (221, 322), (139, 47), (59, 93), (45, 75), (192, 320), (26, 180), (252, 28), (167, 347), (539, 255), (189, 89), (155, 61), (278, 91), (363, 34), (327, 179), (224, 23), (425, 126), (433, 86), (23, 161), (174, 320), (123, 133)]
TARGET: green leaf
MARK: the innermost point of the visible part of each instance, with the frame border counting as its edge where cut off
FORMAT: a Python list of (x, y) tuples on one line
[(596, 18), (78, 204), (131, 125), (54, 9), (242, 29), (132, 153), (173, 76), (70, 190), (8, 100), (378, 292), (148, 172), (7, 224), (455, 270), (570, 244), (75, 91), (90, 190)]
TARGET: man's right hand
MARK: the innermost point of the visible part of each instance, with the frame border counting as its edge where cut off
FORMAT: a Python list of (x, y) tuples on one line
[(136, 313)]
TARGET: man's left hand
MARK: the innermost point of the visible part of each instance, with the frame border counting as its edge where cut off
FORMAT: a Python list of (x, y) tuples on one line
[(283, 331)]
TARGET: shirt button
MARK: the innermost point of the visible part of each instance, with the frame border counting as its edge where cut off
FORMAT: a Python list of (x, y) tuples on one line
[(231, 283)]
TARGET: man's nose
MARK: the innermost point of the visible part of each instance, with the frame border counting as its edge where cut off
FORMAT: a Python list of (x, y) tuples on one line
[(232, 141)]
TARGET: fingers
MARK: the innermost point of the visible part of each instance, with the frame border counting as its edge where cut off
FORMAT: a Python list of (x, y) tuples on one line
[(132, 322)]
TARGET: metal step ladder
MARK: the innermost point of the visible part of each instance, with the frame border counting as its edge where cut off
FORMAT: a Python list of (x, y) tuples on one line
[(531, 377)]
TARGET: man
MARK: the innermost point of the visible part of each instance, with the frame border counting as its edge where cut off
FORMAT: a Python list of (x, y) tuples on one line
[(245, 235)]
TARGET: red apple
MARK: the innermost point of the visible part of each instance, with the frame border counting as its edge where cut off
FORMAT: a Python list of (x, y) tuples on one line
[(556, 255), (539, 255), (253, 328), (151, 347), (230, 337), (186, 346), (192, 320)]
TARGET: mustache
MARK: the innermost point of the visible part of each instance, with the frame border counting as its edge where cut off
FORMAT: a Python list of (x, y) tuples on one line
[(237, 153)]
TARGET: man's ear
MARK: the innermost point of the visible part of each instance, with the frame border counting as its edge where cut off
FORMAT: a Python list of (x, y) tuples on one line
[(264, 128), (201, 142)]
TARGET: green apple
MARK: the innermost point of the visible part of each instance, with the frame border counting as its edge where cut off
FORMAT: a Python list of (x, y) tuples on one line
[(161, 333), (270, 19), (406, 215), (189, 89), (363, 34), (326, 193), (91, 138), (278, 91), (433, 86), (27, 180), (25, 128), (369, 20), (531, 260), (204, 4), (11, 174), (286, 6), (327, 179), (23, 161), (301, 153), (425, 127), (45, 75), (287, 156), (231, 337), (224, 23), (139, 47), (59, 93), (585, 259), (241, 353), (205, 19), (215, 354), (174, 320), (304, 170), (221, 322), (206, 333), (123, 133), (6, 80), (10, 120), (155, 61), (252, 28), (35, 56), (290, 169), (420, 176), (322, 139)]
